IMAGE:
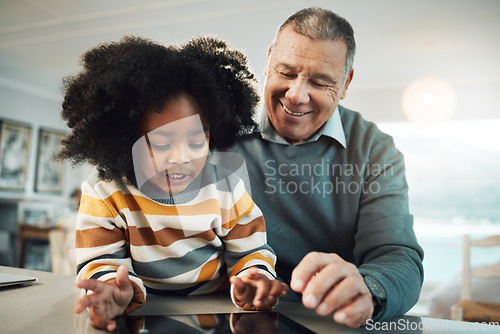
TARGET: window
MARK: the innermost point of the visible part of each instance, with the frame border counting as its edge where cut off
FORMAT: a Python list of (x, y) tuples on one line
[(453, 173)]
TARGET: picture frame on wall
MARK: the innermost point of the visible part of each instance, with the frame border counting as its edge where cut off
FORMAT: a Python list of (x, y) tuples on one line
[(49, 172), (14, 152), (34, 213)]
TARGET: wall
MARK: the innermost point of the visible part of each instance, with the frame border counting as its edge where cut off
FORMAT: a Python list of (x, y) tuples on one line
[(38, 111)]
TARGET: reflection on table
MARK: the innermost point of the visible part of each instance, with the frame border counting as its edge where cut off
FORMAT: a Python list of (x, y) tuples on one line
[(47, 306)]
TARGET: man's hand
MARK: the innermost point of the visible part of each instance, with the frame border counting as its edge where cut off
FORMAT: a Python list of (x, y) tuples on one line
[(108, 300), (257, 291), (331, 285)]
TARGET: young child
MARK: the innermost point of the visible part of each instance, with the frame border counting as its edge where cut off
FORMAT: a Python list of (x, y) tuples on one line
[(159, 217)]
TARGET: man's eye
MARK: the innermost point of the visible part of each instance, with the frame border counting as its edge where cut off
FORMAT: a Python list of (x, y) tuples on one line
[(319, 84), (286, 75)]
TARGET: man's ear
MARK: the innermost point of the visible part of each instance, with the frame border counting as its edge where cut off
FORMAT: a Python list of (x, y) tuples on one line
[(347, 82), (269, 51)]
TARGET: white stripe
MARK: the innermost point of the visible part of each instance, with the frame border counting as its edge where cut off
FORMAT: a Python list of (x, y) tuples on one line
[(177, 249), (245, 244)]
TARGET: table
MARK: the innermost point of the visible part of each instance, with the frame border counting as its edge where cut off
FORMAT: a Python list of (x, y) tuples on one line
[(47, 306)]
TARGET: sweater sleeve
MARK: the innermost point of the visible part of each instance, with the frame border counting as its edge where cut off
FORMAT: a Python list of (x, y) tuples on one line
[(385, 241), (101, 243), (245, 237)]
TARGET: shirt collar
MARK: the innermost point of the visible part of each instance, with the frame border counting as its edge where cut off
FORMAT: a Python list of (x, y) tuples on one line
[(332, 128)]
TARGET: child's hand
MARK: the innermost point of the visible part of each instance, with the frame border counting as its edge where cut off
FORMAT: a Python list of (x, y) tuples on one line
[(109, 299), (256, 291)]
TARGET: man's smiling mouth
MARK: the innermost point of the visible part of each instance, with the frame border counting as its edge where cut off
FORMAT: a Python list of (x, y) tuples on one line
[(297, 114)]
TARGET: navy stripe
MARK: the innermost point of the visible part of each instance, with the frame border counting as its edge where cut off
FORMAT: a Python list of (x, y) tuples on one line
[(234, 257), (171, 267), (105, 272), (260, 266), (180, 292), (121, 254)]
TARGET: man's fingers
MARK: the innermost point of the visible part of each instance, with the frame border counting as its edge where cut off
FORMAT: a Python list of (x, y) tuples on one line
[(311, 264), (344, 293), (325, 283), (356, 313), (331, 285)]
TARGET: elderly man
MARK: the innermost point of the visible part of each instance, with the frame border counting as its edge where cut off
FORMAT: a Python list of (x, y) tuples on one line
[(331, 185)]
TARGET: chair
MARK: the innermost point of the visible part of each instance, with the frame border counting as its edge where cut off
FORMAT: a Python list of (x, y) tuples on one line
[(467, 309), (60, 256)]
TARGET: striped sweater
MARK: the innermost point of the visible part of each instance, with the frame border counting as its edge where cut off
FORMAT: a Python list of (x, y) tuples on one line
[(185, 245)]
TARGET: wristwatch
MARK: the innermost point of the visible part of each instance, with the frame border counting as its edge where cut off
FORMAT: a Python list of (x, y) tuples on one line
[(378, 294)]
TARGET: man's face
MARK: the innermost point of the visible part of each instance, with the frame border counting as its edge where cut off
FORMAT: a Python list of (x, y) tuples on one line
[(175, 146), (304, 84)]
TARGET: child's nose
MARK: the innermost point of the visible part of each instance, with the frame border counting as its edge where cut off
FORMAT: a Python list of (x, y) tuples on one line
[(177, 155)]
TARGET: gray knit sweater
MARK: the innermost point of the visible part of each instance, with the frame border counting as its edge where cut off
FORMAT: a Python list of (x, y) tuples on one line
[(353, 201)]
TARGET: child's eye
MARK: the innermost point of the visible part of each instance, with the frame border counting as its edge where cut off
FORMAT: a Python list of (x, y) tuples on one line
[(160, 147), (197, 146)]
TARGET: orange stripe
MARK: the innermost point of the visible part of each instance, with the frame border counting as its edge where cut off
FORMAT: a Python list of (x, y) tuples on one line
[(254, 256), (208, 270), (207, 321), (122, 201), (244, 231), (148, 280), (95, 207), (119, 201), (99, 236), (95, 267), (243, 207), (145, 236)]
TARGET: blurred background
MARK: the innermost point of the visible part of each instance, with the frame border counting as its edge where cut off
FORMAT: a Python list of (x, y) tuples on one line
[(427, 72)]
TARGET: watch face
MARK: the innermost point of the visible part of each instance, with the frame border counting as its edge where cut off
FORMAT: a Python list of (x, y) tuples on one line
[(376, 289)]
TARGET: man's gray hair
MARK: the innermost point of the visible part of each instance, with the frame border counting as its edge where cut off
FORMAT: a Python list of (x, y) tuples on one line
[(322, 24)]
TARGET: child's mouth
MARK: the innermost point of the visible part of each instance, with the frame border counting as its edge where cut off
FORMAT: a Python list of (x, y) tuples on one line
[(177, 178)]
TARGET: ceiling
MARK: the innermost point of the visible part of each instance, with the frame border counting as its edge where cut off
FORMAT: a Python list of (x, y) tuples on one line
[(398, 41)]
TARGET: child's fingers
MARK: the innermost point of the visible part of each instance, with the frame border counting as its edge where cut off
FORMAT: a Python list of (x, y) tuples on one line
[(252, 273), (100, 321), (111, 326), (277, 289), (88, 301), (284, 289), (91, 284), (122, 279), (239, 285), (82, 304), (262, 287)]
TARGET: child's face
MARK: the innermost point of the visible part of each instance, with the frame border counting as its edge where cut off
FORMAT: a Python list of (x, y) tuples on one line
[(177, 139)]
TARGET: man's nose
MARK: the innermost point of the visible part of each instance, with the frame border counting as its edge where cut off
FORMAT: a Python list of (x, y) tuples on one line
[(298, 92)]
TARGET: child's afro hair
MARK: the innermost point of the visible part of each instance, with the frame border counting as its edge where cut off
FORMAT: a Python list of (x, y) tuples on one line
[(104, 103)]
